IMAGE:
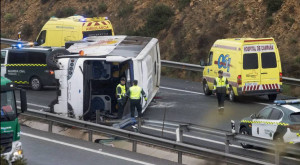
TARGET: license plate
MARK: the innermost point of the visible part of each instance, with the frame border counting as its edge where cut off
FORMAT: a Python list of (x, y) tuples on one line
[(250, 84)]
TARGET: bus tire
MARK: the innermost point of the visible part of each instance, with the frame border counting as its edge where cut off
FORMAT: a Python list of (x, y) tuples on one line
[(51, 59), (36, 83), (206, 90)]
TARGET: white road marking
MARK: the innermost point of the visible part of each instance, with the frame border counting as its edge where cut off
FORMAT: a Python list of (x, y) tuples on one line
[(37, 105), (84, 148), (217, 142), (180, 90), (198, 93)]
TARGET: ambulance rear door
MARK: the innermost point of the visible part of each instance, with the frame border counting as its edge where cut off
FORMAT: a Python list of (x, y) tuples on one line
[(250, 68)]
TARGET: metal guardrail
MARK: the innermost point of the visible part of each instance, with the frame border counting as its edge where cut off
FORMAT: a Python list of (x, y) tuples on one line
[(231, 137), (10, 41), (137, 137), (199, 68)]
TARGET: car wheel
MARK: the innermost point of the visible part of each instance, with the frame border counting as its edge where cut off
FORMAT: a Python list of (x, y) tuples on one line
[(272, 97), (206, 90), (245, 131), (35, 84)]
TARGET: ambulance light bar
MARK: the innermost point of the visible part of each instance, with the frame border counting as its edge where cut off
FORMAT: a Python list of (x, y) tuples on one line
[(281, 102)]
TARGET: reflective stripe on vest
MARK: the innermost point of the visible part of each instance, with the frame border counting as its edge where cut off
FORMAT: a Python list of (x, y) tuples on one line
[(123, 90), (135, 92)]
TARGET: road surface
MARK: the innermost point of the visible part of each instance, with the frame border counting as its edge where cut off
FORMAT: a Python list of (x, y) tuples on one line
[(43, 148)]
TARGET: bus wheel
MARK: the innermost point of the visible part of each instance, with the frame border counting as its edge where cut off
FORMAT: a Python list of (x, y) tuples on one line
[(272, 97), (206, 90), (51, 59), (35, 84)]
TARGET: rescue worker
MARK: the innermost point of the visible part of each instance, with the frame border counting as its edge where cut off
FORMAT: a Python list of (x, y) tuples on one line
[(220, 85), (134, 93), (121, 91)]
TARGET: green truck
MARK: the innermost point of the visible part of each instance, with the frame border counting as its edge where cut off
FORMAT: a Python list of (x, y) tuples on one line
[(11, 147)]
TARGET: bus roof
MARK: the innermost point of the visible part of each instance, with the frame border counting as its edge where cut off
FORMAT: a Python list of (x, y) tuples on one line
[(125, 46)]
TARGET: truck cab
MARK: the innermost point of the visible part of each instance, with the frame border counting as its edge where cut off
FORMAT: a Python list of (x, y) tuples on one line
[(11, 147)]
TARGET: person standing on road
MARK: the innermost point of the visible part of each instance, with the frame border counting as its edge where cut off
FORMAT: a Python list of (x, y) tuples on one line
[(121, 91), (220, 87), (134, 93)]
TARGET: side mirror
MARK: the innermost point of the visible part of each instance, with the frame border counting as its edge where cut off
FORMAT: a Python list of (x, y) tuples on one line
[(23, 98)]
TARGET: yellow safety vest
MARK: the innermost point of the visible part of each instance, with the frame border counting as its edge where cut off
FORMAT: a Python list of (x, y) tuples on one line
[(123, 91), (221, 82), (135, 92)]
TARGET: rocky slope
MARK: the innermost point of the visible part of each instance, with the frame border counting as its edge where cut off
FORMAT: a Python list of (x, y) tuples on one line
[(186, 28)]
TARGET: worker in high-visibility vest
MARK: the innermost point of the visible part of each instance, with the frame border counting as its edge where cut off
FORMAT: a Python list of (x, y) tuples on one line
[(121, 91), (220, 88), (134, 93)]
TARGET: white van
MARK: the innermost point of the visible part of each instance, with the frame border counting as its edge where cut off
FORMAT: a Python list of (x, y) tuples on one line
[(89, 75)]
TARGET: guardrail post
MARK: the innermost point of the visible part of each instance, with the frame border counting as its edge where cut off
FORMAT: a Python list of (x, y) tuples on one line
[(50, 126), (90, 136), (228, 138), (134, 146), (278, 148), (97, 116), (179, 138)]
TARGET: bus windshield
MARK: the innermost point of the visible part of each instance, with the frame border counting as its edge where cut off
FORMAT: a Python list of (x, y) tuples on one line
[(8, 106)]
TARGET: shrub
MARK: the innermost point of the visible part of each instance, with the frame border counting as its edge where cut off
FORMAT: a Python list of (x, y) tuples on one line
[(287, 18), (298, 59), (269, 21), (159, 18), (125, 9), (44, 1), (9, 17), (65, 12), (183, 3), (89, 12), (27, 30), (273, 6), (102, 7)]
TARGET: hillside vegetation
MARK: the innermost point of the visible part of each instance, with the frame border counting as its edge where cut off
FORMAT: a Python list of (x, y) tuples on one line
[(186, 28)]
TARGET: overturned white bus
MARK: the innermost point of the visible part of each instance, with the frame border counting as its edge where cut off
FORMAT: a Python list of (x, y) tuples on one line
[(88, 76)]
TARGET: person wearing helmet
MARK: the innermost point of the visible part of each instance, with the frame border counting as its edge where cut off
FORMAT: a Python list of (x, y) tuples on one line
[(220, 87), (121, 91)]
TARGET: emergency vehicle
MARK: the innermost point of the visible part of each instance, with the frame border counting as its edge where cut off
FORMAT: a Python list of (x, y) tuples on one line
[(251, 65), (10, 127), (57, 31), (89, 76), (280, 121), (29, 66)]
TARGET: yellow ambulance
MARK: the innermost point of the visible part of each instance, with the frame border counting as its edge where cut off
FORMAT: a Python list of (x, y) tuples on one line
[(57, 31), (251, 65)]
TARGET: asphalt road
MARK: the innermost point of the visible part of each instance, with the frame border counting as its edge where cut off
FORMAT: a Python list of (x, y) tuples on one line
[(43, 148), (180, 101), (183, 101)]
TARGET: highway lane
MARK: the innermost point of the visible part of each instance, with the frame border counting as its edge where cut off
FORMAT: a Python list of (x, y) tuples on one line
[(181, 101), (43, 148)]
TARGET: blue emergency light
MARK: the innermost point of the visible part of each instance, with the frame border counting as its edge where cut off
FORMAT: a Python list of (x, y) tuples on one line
[(82, 20), (281, 102)]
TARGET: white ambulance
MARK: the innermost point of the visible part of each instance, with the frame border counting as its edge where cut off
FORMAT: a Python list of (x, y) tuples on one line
[(89, 75)]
